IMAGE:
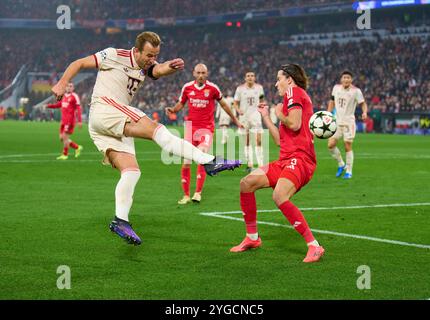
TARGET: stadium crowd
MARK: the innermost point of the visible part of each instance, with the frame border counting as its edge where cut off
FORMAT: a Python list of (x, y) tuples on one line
[(126, 9)]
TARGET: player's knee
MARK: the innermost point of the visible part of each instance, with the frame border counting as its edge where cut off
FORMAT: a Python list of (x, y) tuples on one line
[(279, 197), (247, 184)]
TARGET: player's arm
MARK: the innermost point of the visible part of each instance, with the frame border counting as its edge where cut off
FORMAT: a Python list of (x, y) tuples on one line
[(236, 105), (363, 106), (54, 105), (166, 68), (293, 120), (178, 107), (79, 115), (330, 106), (227, 109), (71, 71), (265, 115)]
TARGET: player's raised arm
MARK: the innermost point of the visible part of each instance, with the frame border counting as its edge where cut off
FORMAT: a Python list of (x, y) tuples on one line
[(227, 109), (167, 68), (274, 132), (72, 70), (293, 120)]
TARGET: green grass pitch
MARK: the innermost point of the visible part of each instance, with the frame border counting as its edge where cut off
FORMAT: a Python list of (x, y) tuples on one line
[(57, 213)]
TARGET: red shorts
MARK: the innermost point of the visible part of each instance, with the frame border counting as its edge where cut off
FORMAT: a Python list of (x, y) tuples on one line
[(298, 170), (199, 136), (67, 128)]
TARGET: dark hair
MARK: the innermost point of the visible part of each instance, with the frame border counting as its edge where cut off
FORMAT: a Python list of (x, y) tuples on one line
[(346, 72), (297, 73), (147, 36)]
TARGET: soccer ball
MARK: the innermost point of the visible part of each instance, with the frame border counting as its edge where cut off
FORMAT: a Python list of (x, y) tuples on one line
[(323, 124)]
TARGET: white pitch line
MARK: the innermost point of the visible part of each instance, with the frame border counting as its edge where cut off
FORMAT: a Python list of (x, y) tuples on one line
[(222, 215), (388, 205)]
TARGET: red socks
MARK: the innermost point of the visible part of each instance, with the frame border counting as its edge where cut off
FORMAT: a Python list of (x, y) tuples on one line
[(73, 145), (186, 176), (201, 177), (66, 151), (297, 220), (249, 209)]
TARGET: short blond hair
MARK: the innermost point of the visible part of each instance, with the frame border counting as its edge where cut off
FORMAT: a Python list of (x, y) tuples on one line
[(147, 36)]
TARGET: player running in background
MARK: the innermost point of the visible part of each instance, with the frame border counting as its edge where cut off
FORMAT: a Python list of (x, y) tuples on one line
[(246, 100), (295, 166), (70, 112), (223, 117), (113, 123), (345, 98), (201, 95)]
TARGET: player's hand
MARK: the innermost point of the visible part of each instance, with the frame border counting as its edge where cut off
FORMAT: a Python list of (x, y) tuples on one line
[(177, 63), (59, 89), (238, 123), (279, 110), (364, 116), (263, 109), (169, 110)]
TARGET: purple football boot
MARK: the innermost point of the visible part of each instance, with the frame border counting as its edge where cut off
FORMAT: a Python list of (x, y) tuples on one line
[(125, 231), (219, 164)]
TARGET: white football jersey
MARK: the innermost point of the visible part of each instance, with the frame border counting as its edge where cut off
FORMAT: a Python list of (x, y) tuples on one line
[(249, 98), (345, 102), (220, 111), (119, 76)]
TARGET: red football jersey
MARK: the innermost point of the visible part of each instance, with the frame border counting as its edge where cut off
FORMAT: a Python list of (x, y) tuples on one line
[(201, 103), (70, 108), (294, 143)]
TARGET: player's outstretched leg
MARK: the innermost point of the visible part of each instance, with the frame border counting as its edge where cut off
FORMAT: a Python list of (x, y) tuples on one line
[(284, 190), (124, 230), (147, 129)]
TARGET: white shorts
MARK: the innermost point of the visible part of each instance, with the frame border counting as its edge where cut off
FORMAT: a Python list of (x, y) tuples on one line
[(106, 127), (252, 123), (345, 130), (224, 120)]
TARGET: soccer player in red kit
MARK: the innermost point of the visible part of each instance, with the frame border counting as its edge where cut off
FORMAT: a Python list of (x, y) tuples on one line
[(200, 95), (295, 166), (70, 112)]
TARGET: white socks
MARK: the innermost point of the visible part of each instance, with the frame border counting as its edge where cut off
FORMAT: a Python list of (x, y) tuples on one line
[(335, 153), (248, 156), (224, 135), (349, 161), (313, 243), (259, 155), (179, 147), (252, 236), (124, 193)]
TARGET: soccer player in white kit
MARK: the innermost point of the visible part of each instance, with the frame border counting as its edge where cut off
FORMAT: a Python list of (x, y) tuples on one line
[(345, 98), (113, 123), (246, 101), (224, 119)]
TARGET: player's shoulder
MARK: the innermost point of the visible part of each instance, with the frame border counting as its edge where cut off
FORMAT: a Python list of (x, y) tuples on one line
[(75, 95), (337, 86), (213, 85), (188, 84)]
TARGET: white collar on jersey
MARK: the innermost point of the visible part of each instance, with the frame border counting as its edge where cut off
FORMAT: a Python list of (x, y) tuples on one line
[(133, 61), (197, 86)]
